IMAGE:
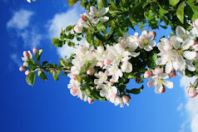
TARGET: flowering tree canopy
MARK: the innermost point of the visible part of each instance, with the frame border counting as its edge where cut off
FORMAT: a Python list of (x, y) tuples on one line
[(107, 57)]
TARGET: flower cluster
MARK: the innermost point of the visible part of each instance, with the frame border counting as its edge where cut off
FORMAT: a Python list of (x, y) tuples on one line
[(90, 19), (101, 68), (101, 72), (27, 56)]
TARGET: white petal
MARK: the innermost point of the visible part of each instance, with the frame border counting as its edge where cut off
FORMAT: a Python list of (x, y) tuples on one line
[(190, 55), (190, 66), (148, 48), (135, 54), (168, 84), (187, 44), (169, 67), (104, 19), (103, 11), (180, 31), (176, 42)]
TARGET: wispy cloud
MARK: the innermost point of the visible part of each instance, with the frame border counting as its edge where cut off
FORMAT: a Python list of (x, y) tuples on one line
[(191, 107), (21, 24), (60, 21), (20, 20)]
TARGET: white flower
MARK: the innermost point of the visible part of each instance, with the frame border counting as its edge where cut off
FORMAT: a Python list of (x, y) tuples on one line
[(115, 72), (146, 40), (102, 78), (176, 52), (96, 16), (159, 80)]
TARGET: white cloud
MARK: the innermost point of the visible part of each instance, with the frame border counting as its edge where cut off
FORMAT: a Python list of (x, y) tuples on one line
[(60, 21), (20, 19), (191, 106), (20, 22), (31, 38)]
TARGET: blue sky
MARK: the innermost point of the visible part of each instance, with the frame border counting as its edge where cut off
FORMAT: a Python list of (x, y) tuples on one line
[(49, 107)]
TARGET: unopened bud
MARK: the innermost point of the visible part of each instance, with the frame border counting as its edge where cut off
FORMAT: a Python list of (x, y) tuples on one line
[(21, 68), (172, 74), (34, 50), (26, 54), (126, 99), (192, 92), (27, 72), (90, 71), (90, 101), (148, 74)]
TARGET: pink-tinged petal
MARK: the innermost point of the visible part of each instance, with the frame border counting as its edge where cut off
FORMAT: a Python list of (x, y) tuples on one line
[(150, 83), (190, 55)]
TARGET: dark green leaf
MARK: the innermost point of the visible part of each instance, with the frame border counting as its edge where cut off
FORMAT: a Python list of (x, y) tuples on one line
[(30, 78)]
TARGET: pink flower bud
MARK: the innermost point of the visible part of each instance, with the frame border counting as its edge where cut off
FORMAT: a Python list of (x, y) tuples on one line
[(157, 71), (126, 99), (192, 92), (21, 68), (83, 17), (107, 62), (90, 101), (26, 54), (148, 74), (172, 74), (161, 89), (34, 50), (74, 91), (90, 71), (27, 72), (74, 76)]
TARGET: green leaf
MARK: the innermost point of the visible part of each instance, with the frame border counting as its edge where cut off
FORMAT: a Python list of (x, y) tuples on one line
[(135, 90), (180, 12), (30, 78), (72, 2), (42, 75), (56, 42), (173, 2), (55, 74), (69, 28), (38, 54), (194, 9)]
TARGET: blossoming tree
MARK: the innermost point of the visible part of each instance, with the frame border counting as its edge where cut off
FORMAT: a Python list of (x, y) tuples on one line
[(107, 57)]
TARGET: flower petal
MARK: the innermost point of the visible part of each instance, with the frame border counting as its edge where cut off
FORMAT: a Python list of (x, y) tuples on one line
[(190, 55), (168, 84)]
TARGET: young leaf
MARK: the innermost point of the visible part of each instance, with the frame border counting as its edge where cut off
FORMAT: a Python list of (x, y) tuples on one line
[(72, 2), (38, 54), (135, 90), (180, 12), (42, 75), (173, 2), (30, 78)]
